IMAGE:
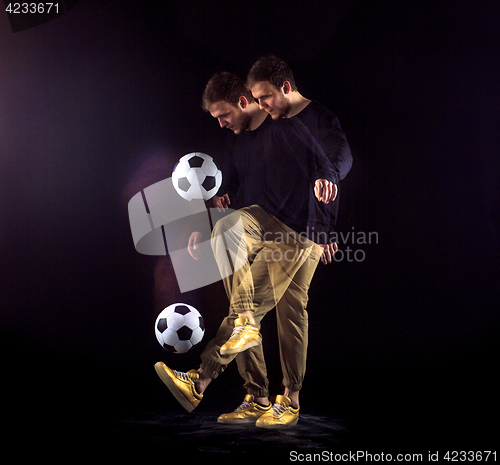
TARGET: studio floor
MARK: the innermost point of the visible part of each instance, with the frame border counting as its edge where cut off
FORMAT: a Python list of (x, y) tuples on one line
[(200, 435)]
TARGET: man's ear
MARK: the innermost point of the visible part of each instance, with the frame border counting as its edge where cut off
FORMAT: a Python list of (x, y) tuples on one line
[(243, 102), (286, 88)]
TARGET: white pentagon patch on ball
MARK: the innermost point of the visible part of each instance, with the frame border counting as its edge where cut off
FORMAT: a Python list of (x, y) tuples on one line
[(179, 327), (196, 176)]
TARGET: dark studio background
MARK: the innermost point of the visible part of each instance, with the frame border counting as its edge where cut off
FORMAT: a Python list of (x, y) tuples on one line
[(101, 102)]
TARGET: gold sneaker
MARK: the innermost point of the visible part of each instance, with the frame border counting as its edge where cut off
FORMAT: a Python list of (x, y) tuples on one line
[(281, 415), (181, 385), (243, 337), (247, 412)]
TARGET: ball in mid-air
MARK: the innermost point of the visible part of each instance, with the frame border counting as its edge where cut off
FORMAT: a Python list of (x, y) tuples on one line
[(179, 327), (196, 176)]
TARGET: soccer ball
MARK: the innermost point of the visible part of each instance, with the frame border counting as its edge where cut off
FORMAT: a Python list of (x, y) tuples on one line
[(196, 176), (179, 327)]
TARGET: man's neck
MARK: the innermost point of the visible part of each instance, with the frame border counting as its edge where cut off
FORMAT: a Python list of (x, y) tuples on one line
[(257, 116), (297, 103)]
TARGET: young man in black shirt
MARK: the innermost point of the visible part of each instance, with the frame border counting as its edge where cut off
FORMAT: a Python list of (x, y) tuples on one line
[(272, 84), (284, 174)]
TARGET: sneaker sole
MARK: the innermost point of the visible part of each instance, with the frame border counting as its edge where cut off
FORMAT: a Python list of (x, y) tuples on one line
[(246, 421), (241, 349), (293, 423), (162, 373)]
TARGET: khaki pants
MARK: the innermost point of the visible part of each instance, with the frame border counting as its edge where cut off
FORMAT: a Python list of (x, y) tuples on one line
[(274, 267)]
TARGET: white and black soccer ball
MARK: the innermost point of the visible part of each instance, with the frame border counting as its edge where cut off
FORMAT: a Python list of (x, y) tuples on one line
[(179, 327), (196, 176)]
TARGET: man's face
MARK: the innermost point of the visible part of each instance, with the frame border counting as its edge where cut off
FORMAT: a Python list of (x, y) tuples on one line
[(230, 116), (271, 99)]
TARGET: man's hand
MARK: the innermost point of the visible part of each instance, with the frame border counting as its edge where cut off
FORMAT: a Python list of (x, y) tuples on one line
[(193, 242), (328, 252), (325, 191), (221, 203)]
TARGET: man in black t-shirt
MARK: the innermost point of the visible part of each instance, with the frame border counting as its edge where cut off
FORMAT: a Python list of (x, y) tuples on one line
[(272, 84)]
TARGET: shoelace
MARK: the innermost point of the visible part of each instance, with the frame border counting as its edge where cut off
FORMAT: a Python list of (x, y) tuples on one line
[(243, 406), (182, 375), (278, 409), (237, 331)]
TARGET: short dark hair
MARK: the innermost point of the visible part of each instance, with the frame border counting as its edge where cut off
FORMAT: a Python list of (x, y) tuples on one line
[(273, 69), (226, 87)]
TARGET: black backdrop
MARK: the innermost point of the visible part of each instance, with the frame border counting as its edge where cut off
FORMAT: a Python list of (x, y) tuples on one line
[(103, 100)]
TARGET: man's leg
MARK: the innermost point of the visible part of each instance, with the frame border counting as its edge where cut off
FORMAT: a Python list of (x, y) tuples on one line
[(293, 336), (236, 241), (292, 320), (252, 368), (277, 261)]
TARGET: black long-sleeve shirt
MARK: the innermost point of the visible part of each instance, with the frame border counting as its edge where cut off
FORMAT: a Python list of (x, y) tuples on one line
[(276, 167), (325, 128)]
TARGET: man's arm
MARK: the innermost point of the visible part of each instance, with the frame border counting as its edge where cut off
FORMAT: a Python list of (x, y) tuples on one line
[(230, 179), (334, 143), (311, 158)]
